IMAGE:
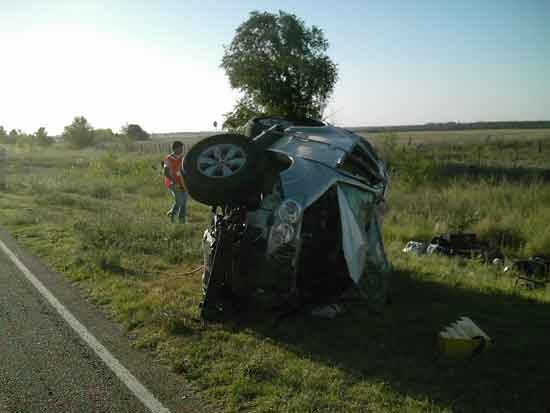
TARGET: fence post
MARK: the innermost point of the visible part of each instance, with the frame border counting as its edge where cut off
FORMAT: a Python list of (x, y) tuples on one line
[(3, 162), (479, 155)]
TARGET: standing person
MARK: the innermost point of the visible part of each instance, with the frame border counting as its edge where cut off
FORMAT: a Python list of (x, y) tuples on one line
[(173, 180)]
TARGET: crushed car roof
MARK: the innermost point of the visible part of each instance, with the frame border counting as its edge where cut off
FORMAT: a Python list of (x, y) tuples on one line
[(327, 146), (304, 142)]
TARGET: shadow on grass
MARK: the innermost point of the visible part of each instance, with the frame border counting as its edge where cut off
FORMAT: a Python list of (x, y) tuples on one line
[(397, 347), (450, 171)]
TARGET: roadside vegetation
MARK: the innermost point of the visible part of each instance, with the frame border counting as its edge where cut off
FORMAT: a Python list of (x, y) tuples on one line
[(78, 134), (98, 217)]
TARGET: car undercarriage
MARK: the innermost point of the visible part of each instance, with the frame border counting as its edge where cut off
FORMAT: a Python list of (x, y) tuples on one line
[(295, 215)]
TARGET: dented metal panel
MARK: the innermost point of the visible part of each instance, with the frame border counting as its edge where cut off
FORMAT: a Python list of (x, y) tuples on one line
[(321, 158), (354, 241)]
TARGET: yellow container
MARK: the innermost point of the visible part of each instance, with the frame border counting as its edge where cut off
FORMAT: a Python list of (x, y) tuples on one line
[(462, 338)]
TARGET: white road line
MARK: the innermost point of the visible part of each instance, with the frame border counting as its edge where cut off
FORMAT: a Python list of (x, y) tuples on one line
[(139, 390)]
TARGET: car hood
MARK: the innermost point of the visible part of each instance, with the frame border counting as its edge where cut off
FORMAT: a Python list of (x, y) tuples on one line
[(316, 153)]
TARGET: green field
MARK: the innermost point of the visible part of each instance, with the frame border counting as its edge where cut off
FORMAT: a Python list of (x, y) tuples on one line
[(476, 136), (99, 218)]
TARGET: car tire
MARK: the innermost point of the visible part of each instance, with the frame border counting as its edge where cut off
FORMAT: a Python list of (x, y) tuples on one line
[(222, 170)]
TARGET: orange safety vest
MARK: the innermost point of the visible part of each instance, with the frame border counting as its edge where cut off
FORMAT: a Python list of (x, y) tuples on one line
[(174, 164)]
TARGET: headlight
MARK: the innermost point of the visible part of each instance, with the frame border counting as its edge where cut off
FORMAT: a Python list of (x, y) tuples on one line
[(282, 234), (289, 211)]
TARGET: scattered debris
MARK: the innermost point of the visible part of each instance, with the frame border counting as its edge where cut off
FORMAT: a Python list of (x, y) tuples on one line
[(498, 261), (416, 247), (463, 338), (536, 266), (329, 311), (532, 273), (464, 245)]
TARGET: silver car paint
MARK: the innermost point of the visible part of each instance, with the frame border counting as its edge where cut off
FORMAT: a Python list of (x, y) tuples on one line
[(316, 153)]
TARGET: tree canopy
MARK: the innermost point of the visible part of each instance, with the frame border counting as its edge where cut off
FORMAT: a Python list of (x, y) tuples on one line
[(135, 132), (14, 135), (244, 110), (3, 135), (103, 135), (79, 134), (281, 66), (42, 137)]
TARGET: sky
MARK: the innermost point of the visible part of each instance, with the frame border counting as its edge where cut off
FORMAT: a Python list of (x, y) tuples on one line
[(157, 63)]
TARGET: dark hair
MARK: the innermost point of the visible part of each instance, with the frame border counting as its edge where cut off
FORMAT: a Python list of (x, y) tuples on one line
[(176, 144)]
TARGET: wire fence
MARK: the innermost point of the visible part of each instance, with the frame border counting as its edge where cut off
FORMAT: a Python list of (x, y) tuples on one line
[(150, 147), (483, 153), (493, 152), (517, 153)]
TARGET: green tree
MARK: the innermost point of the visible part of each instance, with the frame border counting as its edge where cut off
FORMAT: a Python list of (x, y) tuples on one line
[(13, 136), (134, 132), (281, 66), (42, 138), (104, 135), (3, 135), (79, 134), (244, 110)]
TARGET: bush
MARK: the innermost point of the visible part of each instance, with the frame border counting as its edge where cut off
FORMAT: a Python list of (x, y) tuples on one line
[(104, 136), (135, 132), (41, 137), (3, 135), (79, 134)]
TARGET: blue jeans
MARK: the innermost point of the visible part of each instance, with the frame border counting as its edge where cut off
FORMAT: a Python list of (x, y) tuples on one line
[(179, 208)]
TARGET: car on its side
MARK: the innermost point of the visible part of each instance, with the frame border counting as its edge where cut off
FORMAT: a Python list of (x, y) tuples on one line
[(296, 213)]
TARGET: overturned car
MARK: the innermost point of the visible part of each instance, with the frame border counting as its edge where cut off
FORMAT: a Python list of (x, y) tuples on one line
[(296, 215)]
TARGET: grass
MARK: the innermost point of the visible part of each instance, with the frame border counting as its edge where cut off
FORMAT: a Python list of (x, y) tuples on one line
[(474, 136), (493, 149), (99, 218)]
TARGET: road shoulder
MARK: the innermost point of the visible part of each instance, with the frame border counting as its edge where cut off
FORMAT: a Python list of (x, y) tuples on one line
[(172, 389)]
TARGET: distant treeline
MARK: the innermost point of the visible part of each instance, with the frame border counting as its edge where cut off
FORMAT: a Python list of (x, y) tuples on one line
[(452, 126)]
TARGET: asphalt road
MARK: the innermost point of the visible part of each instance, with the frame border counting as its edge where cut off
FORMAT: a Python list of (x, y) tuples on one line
[(45, 366)]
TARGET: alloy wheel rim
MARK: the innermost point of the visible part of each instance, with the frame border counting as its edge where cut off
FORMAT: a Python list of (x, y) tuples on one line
[(221, 161)]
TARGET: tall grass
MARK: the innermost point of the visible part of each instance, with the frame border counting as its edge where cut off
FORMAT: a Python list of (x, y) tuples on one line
[(100, 219), (506, 207)]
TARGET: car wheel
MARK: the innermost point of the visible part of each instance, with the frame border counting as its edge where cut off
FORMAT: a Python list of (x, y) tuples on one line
[(222, 169)]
